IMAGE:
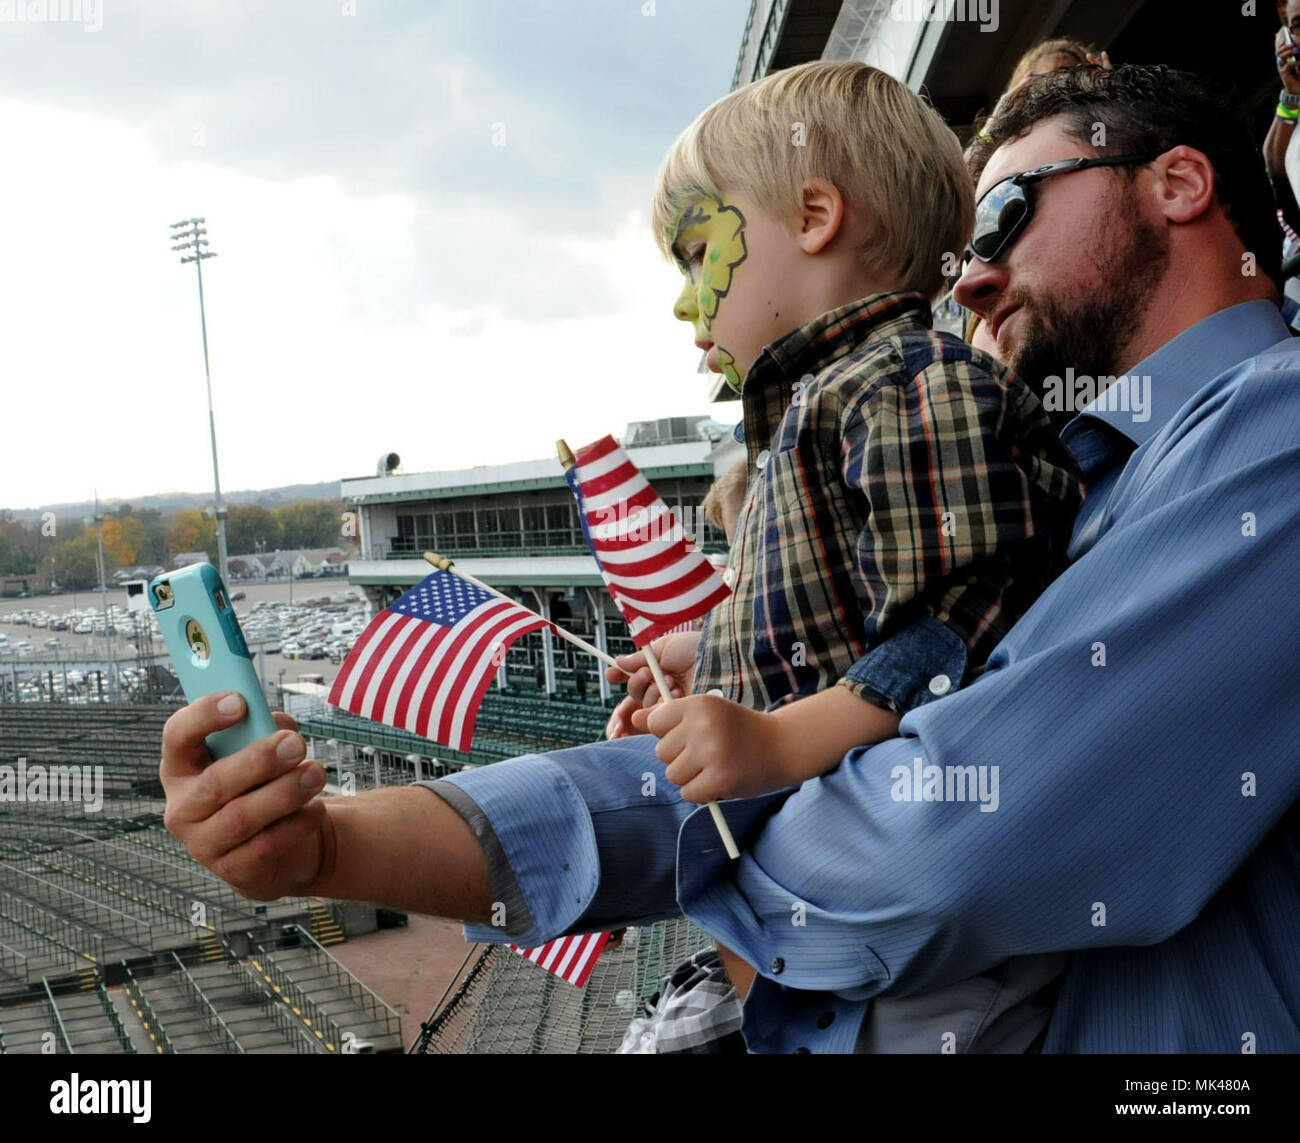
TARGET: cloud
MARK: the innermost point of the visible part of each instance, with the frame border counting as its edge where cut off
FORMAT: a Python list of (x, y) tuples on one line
[(386, 276)]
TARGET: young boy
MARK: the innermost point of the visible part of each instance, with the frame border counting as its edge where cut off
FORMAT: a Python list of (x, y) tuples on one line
[(907, 497)]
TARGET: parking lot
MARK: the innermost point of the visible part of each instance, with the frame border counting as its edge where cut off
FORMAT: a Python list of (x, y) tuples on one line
[(299, 629)]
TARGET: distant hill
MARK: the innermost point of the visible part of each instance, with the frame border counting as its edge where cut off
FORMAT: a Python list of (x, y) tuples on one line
[(171, 501)]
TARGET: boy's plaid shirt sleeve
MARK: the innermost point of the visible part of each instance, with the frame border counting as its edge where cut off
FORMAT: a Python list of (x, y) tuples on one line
[(971, 499)]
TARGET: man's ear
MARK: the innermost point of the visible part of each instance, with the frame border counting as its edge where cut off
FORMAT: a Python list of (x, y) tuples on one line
[(821, 214), (1184, 186)]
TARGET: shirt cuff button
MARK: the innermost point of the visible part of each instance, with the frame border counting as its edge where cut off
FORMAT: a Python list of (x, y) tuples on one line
[(778, 964), (940, 685)]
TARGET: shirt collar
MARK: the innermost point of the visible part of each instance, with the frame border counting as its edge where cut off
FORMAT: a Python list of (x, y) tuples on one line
[(807, 350), (1172, 375)]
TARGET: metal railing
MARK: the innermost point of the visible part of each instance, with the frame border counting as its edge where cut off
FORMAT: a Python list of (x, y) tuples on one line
[(119, 1029), (13, 963), (279, 1013), (211, 1017), (54, 1011), (44, 924), (380, 1010), (153, 1026), (41, 891), (320, 1023)]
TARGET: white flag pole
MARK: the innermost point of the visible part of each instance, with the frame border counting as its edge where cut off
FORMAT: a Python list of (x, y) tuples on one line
[(724, 830)]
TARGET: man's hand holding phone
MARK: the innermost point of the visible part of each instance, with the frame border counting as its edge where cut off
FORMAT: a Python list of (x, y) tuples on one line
[(1284, 53), (252, 817)]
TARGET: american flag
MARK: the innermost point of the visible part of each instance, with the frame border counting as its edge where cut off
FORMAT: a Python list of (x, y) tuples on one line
[(425, 661), (570, 958), (654, 571)]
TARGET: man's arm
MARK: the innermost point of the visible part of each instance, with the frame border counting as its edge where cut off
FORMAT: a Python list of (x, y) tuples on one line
[(1132, 742), (254, 819)]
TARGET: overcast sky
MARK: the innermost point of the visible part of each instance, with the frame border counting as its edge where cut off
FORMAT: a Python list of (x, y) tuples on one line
[(387, 278)]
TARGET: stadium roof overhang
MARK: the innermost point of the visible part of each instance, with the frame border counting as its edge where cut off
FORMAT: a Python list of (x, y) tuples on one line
[(963, 64)]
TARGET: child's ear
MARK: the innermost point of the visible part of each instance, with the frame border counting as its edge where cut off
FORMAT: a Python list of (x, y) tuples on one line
[(821, 214)]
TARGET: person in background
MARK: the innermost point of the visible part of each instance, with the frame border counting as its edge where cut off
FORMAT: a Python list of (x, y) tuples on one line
[(1281, 158)]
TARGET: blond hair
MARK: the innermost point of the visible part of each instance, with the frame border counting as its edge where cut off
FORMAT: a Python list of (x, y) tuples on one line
[(726, 496), (1063, 51), (890, 155)]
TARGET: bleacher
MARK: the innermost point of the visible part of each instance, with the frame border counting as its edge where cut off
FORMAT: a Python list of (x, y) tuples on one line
[(510, 723), (113, 938)]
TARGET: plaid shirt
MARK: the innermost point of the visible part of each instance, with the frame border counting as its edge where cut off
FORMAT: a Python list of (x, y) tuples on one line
[(908, 500)]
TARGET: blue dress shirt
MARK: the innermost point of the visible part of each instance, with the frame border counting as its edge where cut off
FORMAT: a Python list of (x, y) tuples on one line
[(1120, 783)]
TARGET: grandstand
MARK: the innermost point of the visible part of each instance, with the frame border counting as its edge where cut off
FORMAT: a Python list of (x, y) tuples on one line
[(114, 939)]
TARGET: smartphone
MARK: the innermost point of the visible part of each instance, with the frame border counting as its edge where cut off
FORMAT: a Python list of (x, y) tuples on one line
[(208, 649)]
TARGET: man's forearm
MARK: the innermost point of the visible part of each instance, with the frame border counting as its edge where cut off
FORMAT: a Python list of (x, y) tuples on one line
[(1275, 145), (408, 849)]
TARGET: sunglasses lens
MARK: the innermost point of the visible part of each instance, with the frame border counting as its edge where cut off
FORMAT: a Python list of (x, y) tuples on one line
[(997, 217)]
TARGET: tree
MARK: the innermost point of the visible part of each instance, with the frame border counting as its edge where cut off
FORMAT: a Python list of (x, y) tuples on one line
[(122, 540), (313, 524), (190, 532), (153, 544), (75, 563), (26, 545), (252, 528)]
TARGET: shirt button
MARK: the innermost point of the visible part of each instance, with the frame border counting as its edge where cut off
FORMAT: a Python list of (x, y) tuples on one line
[(825, 1020), (940, 685), (801, 1051), (762, 458), (778, 964), (716, 691), (729, 577)]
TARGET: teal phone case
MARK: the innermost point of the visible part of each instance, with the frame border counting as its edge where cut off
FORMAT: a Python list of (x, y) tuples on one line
[(208, 650)]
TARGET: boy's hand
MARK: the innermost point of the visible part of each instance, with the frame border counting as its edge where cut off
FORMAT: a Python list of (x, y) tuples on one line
[(676, 655), (620, 720), (715, 748)]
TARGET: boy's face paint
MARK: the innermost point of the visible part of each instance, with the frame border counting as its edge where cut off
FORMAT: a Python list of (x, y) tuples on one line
[(710, 245)]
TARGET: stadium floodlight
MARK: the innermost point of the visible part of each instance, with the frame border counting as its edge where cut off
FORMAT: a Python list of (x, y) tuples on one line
[(191, 231)]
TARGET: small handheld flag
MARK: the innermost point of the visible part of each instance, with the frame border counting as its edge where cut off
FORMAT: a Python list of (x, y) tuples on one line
[(655, 573), (657, 576), (569, 958), (425, 661)]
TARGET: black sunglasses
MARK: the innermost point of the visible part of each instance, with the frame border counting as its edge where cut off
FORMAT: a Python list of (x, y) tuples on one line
[(1004, 210)]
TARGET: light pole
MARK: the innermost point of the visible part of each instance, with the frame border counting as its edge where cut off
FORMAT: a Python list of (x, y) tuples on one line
[(191, 232), (103, 590)]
